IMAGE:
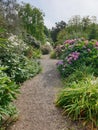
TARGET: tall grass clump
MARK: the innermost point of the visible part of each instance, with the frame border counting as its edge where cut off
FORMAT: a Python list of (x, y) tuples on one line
[(80, 101), (80, 74)]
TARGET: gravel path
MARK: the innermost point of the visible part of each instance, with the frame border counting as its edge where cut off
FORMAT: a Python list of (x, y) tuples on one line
[(36, 102)]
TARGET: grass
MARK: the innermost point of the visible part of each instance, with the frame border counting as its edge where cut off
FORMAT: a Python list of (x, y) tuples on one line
[(79, 98), (80, 74)]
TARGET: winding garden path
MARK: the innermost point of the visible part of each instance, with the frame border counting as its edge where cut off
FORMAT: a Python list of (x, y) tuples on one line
[(36, 102)]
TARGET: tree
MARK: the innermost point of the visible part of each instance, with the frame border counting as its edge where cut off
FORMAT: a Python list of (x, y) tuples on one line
[(61, 37), (55, 30), (93, 33), (77, 27), (9, 14), (75, 23), (32, 21), (86, 21)]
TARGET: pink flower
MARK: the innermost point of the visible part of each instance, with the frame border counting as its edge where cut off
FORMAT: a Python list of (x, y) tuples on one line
[(96, 44), (69, 59), (70, 62), (73, 57), (72, 41)]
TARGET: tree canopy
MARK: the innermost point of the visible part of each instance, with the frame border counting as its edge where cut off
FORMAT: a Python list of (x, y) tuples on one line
[(32, 21), (76, 27)]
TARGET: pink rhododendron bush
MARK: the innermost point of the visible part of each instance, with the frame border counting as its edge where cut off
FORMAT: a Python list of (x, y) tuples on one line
[(76, 54)]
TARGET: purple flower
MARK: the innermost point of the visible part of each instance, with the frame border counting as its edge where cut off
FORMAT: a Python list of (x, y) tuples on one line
[(72, 57), (69, 58), (75, 58), (60, 63), (70, 62)]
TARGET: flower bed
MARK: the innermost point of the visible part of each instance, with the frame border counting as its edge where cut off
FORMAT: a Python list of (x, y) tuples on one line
[(79, 68), (76, 54)]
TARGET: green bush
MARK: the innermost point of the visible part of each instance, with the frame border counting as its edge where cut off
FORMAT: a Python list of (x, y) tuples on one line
[(80, 74), (80, 101), (30, 40), (46, 49), (59, 50), (53, 54), (76, 54), (8, 91), (36, 53), (32, 52), (20, 67)]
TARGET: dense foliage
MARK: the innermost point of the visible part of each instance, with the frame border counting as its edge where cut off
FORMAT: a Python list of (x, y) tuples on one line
[(18, 55), (23, 18), (19, 67), (15, 67), (78, 63), (79, 68), (76, 54), (32, 21), (8, 91), (76, 27), (55, 30), (81, 100)]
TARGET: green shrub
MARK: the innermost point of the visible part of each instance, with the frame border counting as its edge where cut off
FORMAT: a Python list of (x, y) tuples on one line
[(77, 54), (30, 40), (59, 50), (8, 91), (80, 74), (53, 54), (80, 101), (46, 49), (25, 70), (36, 53), (32, 52), (20, 67)]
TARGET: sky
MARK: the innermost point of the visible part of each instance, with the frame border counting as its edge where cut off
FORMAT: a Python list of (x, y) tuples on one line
[(57, 10)]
